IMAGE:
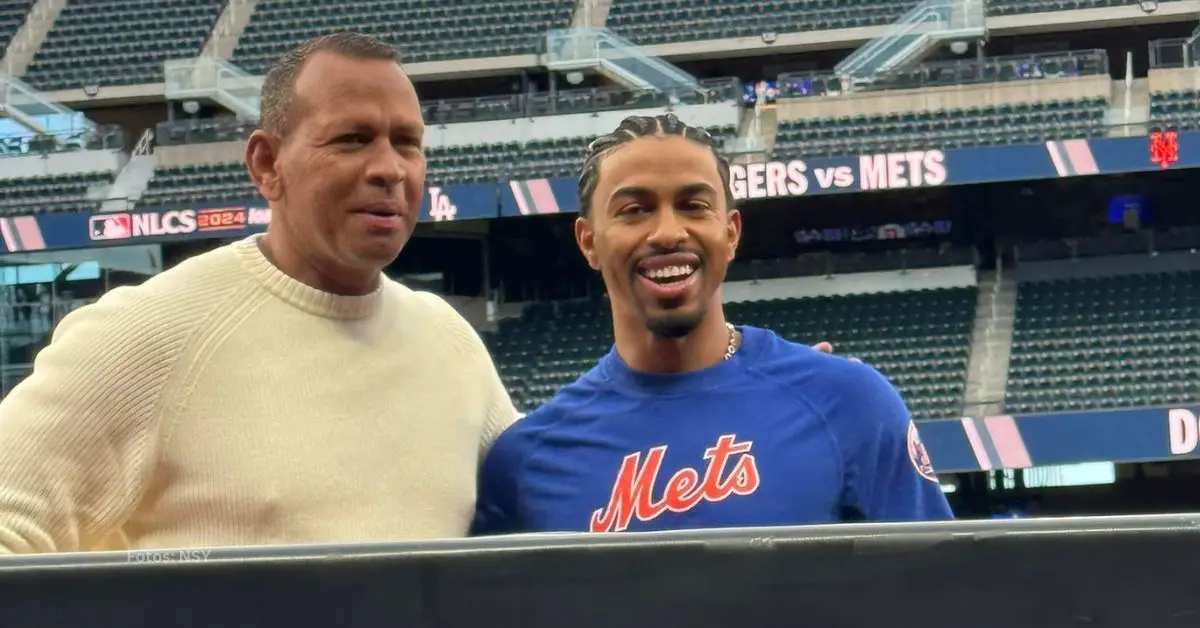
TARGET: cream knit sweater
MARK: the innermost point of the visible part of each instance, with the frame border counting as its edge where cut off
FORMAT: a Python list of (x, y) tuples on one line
[(223, 403)]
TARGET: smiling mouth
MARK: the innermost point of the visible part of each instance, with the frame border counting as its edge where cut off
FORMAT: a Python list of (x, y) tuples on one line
[(669, 274)]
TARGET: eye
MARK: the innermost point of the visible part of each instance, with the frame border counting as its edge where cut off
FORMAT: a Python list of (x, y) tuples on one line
[(697, 206), (631, 209), (353, 138), (407, 142)]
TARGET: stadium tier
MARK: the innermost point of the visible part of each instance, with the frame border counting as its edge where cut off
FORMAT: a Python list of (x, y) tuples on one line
[(642, 20), (88, 46), (560, 157), (425, 30), (1112, 342), (1176, 109), (1023, 123), (52, 194), (919, 339)]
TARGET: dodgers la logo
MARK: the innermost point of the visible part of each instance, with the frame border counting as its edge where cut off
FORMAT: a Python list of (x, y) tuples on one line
[(919, 455), (632, 494)]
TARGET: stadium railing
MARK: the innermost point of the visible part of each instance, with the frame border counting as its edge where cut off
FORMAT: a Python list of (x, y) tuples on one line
[(1033, 573), (486, 108), (956, 72), (1175, 52), (106, 137)]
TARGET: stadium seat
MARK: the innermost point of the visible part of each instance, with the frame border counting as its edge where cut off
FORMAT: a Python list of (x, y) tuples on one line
[(642, 21), (12, 16), (50, 194), (1112, 342), (423, 30), (1023, 123), (198, 184), (120, 42), (918, 339), (1178, 110)]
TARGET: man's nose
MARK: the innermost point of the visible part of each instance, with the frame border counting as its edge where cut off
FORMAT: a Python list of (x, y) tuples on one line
[(669, 231), (386, 167)]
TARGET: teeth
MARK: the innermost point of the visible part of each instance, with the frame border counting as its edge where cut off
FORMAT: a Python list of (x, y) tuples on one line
[(669, 272)]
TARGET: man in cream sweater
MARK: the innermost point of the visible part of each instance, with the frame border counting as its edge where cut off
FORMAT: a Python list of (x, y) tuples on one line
[(278, 390)]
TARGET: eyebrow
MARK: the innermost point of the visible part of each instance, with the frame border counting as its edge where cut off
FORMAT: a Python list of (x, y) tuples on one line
[(690, 189)]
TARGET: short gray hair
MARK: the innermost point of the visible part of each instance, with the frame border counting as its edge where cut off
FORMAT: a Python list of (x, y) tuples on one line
[(279, 86)]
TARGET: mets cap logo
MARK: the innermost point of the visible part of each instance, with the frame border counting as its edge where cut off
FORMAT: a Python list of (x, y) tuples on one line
[(919, 455)]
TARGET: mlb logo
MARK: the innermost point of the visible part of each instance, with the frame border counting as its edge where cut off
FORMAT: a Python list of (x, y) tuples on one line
[(110, 227)]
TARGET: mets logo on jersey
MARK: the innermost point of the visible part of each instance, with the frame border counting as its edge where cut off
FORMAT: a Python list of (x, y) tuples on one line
[(633, 492), (919, 455)]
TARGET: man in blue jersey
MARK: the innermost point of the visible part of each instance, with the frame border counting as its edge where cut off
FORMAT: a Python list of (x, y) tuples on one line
[(691, 422)]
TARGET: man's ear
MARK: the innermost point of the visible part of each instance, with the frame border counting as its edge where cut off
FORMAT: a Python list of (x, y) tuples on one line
[(733, 232), (262, 152), (585, 238)]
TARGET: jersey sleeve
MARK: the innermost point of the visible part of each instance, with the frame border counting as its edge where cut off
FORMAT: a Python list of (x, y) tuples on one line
[(497, 506), (889, 475)]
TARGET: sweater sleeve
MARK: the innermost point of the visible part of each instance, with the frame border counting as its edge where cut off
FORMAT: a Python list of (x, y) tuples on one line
[(78, 436), (500, 411)]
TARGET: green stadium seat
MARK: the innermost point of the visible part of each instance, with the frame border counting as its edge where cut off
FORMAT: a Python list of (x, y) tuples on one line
[(641, 21), (120, 42), (918, 339), (1024, 123), (12, 16), (1098, 343), (423, 30), (53, 193)]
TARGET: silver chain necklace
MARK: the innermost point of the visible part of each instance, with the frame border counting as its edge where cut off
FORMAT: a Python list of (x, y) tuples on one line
[(732, 348)]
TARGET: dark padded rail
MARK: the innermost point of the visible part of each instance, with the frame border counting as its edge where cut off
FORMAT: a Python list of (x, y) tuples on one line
[(1109, 572)]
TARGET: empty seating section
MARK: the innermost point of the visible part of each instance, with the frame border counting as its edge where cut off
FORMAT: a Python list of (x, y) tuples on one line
[(120, 42), (918, 339), (12, 16), (1112, 342), (1024, 123), (423, 30), (56, 193), (560, 157), (648, 22), (198, 184), (1177, 110)]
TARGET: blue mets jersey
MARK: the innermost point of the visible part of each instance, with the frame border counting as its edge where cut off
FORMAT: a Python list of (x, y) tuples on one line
[(780, 434)]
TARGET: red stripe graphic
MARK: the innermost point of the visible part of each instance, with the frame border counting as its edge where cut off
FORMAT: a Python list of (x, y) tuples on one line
[(30, 232), (543, 196), (1080, 154), (1009, 444), (976, 442)]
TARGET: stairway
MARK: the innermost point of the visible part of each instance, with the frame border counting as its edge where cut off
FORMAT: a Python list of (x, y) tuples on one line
[(229, 28), (991, 345), (29, 37)]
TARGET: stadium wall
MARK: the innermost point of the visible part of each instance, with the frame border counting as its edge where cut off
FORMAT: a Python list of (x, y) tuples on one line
[(64, 163), (847, 284), (1108, 266), (571, 125)]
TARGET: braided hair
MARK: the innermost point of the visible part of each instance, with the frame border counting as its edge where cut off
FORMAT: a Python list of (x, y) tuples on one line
[(637, 127)]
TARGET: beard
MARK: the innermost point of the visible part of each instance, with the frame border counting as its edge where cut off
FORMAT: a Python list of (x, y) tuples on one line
[(674, 326)]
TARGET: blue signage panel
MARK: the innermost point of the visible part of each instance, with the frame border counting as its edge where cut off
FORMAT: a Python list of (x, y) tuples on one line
[(1021, 442), (44, 232), (906, 170), (749, 182)]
